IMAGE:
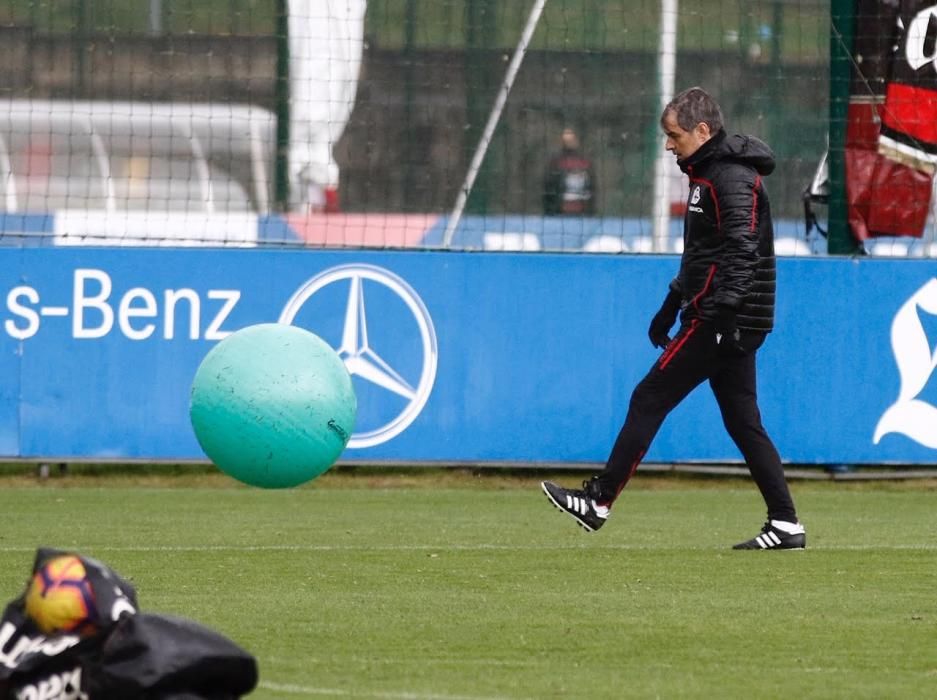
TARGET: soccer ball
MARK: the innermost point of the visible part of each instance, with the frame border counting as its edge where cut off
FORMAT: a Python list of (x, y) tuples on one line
[(60, 599)]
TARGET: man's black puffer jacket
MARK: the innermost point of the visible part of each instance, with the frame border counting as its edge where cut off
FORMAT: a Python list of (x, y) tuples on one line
[(728, 256)]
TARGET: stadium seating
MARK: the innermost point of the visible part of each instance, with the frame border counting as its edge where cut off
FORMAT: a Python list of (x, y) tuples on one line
[(641, 244), (510, 241), (792, 247), (605, 243), (888, 247)]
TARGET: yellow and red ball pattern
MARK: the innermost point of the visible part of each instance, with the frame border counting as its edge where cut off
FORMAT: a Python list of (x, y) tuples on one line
[(60, 598)]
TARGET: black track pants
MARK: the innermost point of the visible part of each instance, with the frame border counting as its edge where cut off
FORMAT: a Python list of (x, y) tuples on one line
[(691, 358)]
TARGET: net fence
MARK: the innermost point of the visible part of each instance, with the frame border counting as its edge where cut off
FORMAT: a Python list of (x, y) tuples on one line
[(354, 123)]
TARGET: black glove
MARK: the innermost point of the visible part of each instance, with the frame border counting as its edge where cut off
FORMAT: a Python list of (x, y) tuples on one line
[(728, 337), (663, 320)]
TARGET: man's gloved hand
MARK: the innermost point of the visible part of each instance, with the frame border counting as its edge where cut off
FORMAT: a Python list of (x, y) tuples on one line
[(728, 337), (663, 320)]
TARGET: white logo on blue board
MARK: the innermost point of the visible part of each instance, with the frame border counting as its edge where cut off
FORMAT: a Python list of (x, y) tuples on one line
[(916, 360), (696, 195), (360, 358)]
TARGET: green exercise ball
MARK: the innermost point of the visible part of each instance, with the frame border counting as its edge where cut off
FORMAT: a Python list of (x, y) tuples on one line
[(272, 405)]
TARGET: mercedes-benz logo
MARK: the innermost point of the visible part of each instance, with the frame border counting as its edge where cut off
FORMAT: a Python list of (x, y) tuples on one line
[(355, 347)]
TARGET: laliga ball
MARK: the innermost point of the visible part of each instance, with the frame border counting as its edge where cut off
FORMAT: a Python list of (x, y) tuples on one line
[(272, 405), (60, 599)]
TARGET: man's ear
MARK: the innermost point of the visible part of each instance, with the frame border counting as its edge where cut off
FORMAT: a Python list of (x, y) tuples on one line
[(703, 132)]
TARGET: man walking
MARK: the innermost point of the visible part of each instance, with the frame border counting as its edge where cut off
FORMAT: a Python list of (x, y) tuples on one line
[(724, 295)]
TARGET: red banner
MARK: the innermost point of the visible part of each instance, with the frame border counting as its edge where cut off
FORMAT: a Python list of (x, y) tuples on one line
[(891, 138)]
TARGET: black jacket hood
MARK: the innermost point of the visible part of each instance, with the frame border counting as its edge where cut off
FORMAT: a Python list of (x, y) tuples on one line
[(739, 148)]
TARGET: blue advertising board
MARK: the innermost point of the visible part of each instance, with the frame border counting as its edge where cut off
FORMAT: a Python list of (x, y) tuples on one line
[(455, 357)]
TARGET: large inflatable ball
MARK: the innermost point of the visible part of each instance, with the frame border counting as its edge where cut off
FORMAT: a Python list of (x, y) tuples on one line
[(272, 405)]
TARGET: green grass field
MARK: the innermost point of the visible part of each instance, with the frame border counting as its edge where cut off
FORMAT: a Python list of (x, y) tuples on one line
[(448, 585)]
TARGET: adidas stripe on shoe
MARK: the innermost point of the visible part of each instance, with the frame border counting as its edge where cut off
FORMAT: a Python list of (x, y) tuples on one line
[(579, 504), (777, 534)]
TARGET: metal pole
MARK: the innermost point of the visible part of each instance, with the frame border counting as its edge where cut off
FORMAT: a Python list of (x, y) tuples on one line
[(842, 17), (493, 119), (81, 39), (156, 17), (409, 201), (282, 98), (666, 77)]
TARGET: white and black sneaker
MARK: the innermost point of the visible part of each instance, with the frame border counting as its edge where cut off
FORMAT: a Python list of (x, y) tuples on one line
[(777, 534), (580, 504)]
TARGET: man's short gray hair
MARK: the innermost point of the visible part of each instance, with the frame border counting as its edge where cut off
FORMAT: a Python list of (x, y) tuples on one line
[(694, 106)]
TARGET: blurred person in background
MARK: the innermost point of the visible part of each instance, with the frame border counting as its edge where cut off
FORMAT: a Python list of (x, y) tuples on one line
[(569, 181)]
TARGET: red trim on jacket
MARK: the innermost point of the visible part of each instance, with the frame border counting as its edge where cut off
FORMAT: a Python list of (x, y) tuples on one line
[(755, 203), (709, 279), (571, 162)]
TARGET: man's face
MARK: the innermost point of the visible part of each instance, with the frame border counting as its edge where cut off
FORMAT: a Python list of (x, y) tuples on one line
[(680, 142), (570, 140)]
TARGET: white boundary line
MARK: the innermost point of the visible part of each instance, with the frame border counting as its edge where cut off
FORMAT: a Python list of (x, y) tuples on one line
[(443, 548), (337, 692)]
